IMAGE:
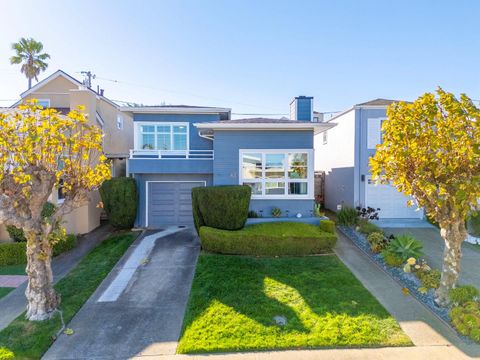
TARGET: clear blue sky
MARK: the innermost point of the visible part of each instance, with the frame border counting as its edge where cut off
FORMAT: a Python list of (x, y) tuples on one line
[(253, 56)]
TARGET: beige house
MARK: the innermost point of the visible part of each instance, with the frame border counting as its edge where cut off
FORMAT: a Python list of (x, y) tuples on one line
[(63, 92)]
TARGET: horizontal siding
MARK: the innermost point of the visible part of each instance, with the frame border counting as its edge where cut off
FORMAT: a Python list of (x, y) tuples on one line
[(171, 166)]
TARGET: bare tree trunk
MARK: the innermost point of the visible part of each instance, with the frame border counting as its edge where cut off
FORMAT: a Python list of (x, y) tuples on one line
[(42, 298), (454, 234)]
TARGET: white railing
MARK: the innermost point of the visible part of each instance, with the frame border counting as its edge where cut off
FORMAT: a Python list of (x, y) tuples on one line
[(172, 154)]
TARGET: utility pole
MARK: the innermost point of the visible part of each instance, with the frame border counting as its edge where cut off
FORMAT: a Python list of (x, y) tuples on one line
[(88, 76)]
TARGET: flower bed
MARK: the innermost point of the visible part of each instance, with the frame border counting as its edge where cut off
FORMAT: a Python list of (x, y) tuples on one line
[(408, 280)]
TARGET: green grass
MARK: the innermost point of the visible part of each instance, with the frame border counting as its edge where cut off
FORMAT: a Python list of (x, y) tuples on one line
[(269, 239), (4, 291), (29, 340), (13, 269), (234, 299)]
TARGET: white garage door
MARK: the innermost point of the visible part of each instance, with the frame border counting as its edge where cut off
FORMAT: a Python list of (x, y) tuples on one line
[(170, 203), (392, 204)]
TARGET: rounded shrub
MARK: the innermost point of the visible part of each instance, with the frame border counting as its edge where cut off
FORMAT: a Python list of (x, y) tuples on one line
[(392, 259), (328, 226), (13, 253), (463, 294), (222, 207), (406, 247), (120, 201), (16, 234), (466, 319), (347, 216), (377, 241), (429, 279)]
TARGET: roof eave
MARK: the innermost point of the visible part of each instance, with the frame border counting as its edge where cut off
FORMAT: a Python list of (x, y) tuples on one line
[(316, 127)]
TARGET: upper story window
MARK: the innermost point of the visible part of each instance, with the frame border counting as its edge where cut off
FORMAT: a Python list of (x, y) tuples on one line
[(119, 122), (44, 102), (163, 136), (277, 173), (374, 132), (325, 138)]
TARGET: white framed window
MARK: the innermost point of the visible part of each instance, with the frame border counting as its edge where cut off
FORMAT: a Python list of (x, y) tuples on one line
[(277, 174), (162, 136), (119, 122), (374, 132), (45, 103)]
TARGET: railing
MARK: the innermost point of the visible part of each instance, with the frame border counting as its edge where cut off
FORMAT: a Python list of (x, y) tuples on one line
[(172, 154)]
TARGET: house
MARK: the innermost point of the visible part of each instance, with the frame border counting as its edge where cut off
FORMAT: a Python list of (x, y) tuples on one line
[(63, 92), (180, 147), (349, 146)]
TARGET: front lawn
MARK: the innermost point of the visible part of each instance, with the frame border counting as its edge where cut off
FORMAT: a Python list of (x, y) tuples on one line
[(269, 239), (29, 340), (234, 300), (5, 291), (13, 269)]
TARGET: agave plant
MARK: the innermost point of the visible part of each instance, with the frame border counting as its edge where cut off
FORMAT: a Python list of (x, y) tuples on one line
[(406, 246)]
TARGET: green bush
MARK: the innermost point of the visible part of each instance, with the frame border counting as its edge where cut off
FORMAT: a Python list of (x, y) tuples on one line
[(473, 224), (268, 239), (463, 294), (406, 246), (347, 216), (367, 228), (221, 207), (13, 253), (429, 279), (120, 201), (276, 212), (327, 226), (391, 259), (377, 241), (466, 319), (16, 234), (64, 244), (252, 214)]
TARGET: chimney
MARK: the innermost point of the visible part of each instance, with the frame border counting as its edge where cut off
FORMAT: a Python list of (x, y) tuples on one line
[(101, 92), (301, 108)]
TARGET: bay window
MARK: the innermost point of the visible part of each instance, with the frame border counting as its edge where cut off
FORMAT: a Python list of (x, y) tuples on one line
[(277, 173), (162, 136)]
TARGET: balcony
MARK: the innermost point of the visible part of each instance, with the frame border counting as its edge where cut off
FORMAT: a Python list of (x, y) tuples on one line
[(160, 161), (172, 154)]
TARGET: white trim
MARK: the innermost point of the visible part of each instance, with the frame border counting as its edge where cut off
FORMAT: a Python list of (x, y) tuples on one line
[(295, 125), (50, 78), (138, 124), (310, 180), (174, 110), (100, 120), (165, 181)]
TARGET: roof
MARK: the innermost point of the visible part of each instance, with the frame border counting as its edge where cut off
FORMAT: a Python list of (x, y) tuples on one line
[(178, 109), (265, 124), (378, 102)]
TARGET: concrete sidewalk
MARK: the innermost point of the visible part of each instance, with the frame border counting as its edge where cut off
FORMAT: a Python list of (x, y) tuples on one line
[(420, 324), (15, 303), (138, 309)]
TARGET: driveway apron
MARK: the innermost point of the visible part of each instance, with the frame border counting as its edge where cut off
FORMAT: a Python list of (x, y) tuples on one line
[(136, 311)]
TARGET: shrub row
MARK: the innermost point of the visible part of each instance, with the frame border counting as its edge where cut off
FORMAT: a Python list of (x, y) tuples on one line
[(221, 207), (15, 253), (120, 199), (269, 239)]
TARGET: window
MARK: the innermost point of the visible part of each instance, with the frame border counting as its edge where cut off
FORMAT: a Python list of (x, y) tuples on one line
[(325, 138), (163, 136), (277, 173), (119, 122), (44, 102), (374, 132)]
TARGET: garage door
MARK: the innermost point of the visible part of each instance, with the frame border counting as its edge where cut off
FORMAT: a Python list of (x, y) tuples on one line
[(170, 203), (392, 204)]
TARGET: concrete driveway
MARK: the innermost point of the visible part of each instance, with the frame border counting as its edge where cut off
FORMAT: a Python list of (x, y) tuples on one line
[(433, 247), (138, 309)]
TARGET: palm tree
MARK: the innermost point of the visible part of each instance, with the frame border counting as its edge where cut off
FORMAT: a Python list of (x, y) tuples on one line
[(28, 53)]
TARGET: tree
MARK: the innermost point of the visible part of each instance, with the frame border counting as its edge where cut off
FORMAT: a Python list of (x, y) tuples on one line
[(431, 152), (38, 149), (28, 52)]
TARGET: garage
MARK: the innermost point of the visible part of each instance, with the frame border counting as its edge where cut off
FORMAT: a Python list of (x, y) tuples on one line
[(392, 204), (170, 202)]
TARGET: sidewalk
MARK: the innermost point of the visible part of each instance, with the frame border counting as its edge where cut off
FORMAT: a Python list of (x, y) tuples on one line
[(15, 303)]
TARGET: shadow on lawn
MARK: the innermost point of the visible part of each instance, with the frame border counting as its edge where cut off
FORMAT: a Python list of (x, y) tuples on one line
[(261, 289)]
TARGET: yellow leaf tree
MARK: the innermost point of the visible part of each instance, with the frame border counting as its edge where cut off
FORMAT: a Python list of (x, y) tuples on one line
[(431, 151), (38, 149)]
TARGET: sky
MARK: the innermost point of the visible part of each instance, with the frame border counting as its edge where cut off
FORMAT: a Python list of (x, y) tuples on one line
[(252, 56)]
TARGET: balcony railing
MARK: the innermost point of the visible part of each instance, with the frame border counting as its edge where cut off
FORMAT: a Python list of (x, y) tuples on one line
[(172, 154)]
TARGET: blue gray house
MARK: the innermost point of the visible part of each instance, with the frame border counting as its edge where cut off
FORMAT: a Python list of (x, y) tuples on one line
[(177, 148), (349, 146)]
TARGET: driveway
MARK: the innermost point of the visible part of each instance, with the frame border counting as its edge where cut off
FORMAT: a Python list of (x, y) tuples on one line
[(433, 247), (138, 310)]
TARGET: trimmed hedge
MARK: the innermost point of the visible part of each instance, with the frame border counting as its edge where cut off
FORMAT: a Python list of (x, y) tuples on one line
[(120, 201), (268, 239), (221, 207), (328, 226), (15, 253)]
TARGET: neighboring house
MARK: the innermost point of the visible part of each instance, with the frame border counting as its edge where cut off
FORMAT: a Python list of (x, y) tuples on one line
[(63, 92), (177, 148), (349, 146)]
